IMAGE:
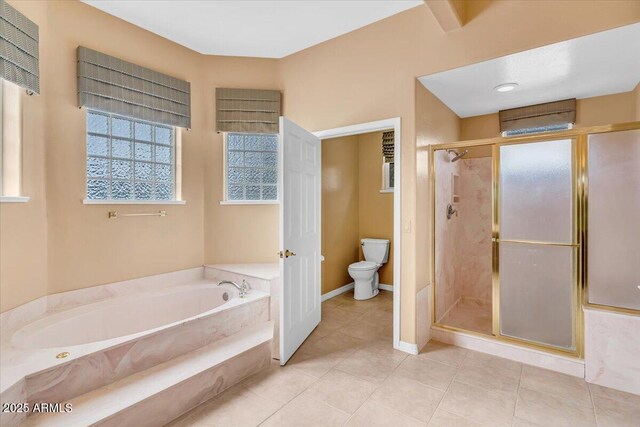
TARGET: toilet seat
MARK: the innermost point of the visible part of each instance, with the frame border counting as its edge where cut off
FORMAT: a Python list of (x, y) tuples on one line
[(363, 266)]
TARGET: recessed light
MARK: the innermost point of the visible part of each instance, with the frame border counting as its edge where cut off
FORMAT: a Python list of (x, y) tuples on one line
[(506, 87)]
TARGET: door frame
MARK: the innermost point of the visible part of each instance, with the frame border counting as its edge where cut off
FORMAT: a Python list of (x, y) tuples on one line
[(376, 126)]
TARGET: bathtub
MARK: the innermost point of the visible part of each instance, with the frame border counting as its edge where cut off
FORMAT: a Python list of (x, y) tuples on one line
[(119, 317), (63, 354)]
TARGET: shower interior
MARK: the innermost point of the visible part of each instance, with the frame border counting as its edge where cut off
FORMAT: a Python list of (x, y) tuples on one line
[(463, 230)]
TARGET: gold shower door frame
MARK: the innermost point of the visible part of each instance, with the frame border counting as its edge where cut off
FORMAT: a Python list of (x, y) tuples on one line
[(579, 139)]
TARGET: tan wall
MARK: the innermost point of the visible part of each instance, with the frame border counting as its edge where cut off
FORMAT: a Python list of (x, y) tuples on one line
[(376, 209), (352, 206), (599, 110), (369, 74), (234, 233), (362, 76), (340, 190), (84, 247), (23, 226), (435, 124)]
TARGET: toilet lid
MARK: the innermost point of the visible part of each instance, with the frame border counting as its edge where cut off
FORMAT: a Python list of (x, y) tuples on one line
[(363, 265)]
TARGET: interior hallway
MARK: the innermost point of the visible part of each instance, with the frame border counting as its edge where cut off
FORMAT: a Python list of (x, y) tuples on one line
[(347, 373)]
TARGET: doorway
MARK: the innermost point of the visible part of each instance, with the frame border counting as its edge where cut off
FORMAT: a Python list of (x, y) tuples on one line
[(367, 128)]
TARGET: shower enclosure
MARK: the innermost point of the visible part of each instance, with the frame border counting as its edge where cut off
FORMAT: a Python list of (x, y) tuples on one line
[(527, 230)]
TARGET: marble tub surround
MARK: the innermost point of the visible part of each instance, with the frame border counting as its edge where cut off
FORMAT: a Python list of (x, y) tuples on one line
[(338, 379), (263, 277), (14, 319), (612, 350), (94, 364), (158, 395)]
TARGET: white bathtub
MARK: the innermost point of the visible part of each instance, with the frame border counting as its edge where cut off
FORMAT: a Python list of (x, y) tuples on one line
[(117, 336), (121, 316)]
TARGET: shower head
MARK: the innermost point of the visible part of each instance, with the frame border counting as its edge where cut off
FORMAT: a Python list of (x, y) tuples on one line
[(457, 156)]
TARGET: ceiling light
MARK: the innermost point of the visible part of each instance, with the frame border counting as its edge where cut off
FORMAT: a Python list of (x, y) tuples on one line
[(506, 87)]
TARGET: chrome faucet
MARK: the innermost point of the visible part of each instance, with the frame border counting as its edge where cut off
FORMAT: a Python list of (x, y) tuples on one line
[(243, 289)]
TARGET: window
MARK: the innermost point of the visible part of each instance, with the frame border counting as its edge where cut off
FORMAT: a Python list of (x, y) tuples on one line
[(387, 176), (129, 159), (251, 167), (539, 129)]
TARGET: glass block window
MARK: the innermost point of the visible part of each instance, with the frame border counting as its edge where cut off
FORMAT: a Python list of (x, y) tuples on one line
[(251, 166), (129, 159)]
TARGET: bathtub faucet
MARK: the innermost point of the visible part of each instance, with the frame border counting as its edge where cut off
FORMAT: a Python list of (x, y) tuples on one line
[(243, 289)]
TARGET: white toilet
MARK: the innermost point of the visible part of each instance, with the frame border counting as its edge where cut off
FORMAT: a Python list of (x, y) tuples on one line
[(365, 273)]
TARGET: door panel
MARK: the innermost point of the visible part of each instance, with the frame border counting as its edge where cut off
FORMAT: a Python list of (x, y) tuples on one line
[(300, 235), (536, 245), (536, 192), (536, 293), (613, 276)]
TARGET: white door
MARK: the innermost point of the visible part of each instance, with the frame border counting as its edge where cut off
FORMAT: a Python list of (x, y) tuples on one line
[(299, 188)]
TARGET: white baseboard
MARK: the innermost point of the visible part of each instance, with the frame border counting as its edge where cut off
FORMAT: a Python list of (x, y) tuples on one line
[(564, 364), (407, 347), (386, 287), (336, 292)]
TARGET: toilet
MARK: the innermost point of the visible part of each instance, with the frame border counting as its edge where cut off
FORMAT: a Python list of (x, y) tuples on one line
[(365, 273)]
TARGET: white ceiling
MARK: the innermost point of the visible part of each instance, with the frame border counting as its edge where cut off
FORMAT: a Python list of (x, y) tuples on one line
[(266, 29), (598, 64)]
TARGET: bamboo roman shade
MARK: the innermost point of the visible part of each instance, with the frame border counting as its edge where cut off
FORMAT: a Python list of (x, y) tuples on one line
[(115, 86), (538, 116), (247, 110), (18, 49), (387, 146)]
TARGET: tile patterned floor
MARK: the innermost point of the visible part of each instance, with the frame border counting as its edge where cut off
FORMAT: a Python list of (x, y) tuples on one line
[(347, 373), (470, 315)]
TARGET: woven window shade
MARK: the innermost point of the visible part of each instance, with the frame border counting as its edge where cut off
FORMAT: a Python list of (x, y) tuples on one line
[(18, 49), (387, 146), (115, 86), (538, 116), (247, 110)]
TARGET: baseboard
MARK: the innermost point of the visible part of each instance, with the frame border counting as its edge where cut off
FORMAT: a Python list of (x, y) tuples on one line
[(564, 364), (336, 292), (386, 287), (406, 347)]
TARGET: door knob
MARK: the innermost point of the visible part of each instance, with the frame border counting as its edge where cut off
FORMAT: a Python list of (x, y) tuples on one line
[(286, 254)]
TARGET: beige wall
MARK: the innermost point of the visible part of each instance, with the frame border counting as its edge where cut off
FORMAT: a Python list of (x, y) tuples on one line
[(85, 248), (364, 75), (352, 206), (369, 74), (340, 191), (23, 226), (599, 110), (435, 124), (375, 209)]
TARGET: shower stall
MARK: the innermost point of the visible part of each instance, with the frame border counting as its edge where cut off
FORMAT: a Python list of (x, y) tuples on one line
[(526, 230)]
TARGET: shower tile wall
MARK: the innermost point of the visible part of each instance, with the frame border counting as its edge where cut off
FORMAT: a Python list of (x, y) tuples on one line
[(473, 248), (446, 233), (463, 244)]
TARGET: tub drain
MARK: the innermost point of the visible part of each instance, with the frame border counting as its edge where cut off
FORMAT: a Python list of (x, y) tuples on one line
[(62, 355), (225, 296)]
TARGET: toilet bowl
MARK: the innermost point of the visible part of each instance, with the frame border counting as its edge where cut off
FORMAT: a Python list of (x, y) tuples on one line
[(365, 273)]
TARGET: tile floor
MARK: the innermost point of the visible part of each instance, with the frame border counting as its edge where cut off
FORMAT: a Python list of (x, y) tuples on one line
[(470, 315), (347, 373)]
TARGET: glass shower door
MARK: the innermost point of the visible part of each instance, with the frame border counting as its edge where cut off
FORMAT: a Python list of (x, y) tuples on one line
[(535, 243)]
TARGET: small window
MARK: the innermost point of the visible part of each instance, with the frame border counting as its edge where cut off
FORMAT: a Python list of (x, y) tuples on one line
[(251, 167), (540, 129), (129, 159), (388, 176)]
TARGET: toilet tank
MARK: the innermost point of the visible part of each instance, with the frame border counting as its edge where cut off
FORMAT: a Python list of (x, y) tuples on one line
[(375, 250)]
